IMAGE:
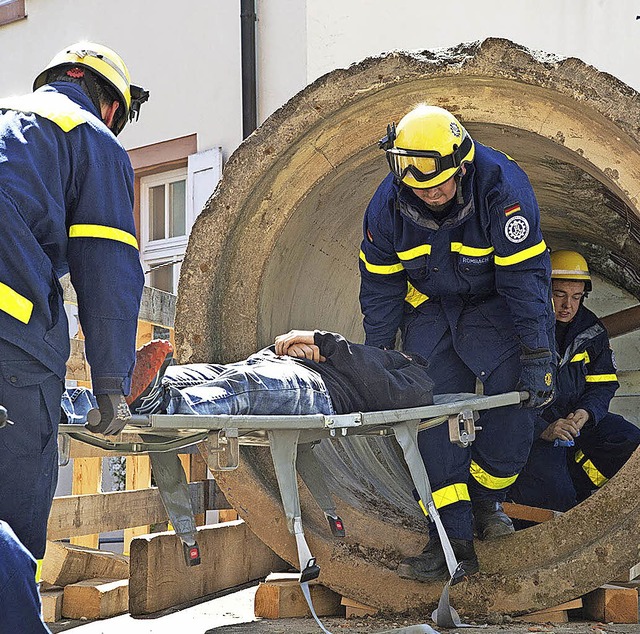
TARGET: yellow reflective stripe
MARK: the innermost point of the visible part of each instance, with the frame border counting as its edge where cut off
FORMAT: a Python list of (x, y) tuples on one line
[(414, 296), (100, 231), (451, 494), (50, 105), (600, 378), (14, 304), (521, 256), (489, 481), (581, 356), (38, 570), (458, 247), (591, 470), (381, 269), (421, 249)]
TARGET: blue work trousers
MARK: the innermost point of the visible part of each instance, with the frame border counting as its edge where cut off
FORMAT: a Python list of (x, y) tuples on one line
[(29, 448), (501, 447), (20, 609)]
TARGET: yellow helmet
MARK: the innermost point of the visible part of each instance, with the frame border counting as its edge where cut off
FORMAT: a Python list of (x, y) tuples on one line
[(427, 147), (570, 265), (109, 67)]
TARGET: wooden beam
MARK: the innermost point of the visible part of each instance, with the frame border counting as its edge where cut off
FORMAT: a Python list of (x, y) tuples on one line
[(612, 604), (231, 555), (64, 564), (528, 513), (622, 322), (284, 599), (138, 476), (557, 614), (355, 609), (87, 479), (74, 515), (51, 604), (95, 599)]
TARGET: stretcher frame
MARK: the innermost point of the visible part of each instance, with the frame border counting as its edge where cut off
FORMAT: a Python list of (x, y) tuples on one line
[(291, 439)]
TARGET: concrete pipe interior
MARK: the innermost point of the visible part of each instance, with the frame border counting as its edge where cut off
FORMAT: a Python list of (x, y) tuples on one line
[(277, 247)]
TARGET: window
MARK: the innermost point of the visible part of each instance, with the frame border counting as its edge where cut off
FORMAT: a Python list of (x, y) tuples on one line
[(12, 10), (169, 204)]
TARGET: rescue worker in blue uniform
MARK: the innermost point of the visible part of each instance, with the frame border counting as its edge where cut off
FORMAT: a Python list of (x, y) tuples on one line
[(21, 609), (66, 197), (454, 259), (580, 444)]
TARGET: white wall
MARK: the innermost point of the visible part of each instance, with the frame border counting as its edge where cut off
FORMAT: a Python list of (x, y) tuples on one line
[(186, 54), (603, 33)]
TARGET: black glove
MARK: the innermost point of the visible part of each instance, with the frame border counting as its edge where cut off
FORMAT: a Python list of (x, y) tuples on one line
[(537, 377), (110, 417)]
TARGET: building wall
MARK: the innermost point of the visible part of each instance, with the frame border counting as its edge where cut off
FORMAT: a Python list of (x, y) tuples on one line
[(188, 54)]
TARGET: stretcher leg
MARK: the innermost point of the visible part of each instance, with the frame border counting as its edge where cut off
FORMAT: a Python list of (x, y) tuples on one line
[(174, 491), (407, 436), (311, 472)]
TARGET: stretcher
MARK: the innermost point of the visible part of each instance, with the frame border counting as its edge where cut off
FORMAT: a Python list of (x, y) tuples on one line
[(291, 440)]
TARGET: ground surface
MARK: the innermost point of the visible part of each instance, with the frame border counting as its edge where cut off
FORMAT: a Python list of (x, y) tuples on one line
[(233, 614)]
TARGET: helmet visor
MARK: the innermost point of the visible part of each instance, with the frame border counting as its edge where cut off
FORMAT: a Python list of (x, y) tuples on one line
[(423, 166)]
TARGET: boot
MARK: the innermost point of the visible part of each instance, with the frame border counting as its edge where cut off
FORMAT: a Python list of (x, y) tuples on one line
[(490, 520), (431, 564)]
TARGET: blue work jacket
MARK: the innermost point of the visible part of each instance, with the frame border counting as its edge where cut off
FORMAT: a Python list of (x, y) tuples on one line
[(66, 198), (484, 272), (586, 377)]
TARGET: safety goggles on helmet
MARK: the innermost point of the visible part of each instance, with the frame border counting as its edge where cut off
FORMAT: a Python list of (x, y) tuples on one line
[(422, 165)]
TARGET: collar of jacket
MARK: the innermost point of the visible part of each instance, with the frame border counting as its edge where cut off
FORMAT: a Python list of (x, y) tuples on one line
[(412, 208), (583, 328), (73, 92)]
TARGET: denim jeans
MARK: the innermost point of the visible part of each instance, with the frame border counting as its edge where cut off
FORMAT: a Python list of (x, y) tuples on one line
[(263, 384)]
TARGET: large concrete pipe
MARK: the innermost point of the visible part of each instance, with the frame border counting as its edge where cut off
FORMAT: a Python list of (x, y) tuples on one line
[(276, 247)]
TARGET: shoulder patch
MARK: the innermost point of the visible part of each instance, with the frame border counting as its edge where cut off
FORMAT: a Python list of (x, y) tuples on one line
[(516, 229), (512, 209)]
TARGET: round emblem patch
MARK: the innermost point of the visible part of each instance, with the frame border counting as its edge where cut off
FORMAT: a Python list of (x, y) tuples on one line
[(547, 378), (516, 229)]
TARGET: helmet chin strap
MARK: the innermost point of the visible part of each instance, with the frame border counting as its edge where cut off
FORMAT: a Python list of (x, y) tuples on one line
[(458, 181)]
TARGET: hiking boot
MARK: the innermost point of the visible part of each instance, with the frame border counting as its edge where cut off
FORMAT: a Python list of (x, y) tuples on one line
[(431, 564), (490, 520)]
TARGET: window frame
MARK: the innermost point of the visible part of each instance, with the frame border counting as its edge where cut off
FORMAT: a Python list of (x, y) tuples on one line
[(12, 11)]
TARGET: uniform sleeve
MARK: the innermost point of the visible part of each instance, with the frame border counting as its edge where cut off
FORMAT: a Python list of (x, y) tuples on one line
[(105, 269), (601, 381), (523, 268), (383, 280)]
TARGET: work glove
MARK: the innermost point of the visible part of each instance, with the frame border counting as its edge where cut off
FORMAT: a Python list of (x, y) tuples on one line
[(110, 417), (536, 377)]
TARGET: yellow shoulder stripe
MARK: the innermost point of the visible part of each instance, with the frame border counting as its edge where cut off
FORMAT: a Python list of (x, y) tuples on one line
[(50, 105), (521, 256), (600, 378), (581, 356), (458, 247), (381, 269), (409, 254), (14, 304), (100, 231)]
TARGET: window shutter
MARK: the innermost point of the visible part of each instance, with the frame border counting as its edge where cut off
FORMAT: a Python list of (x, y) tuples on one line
[(203, 173)]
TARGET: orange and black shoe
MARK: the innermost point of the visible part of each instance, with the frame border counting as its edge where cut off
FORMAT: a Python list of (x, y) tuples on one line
[(152, 360)]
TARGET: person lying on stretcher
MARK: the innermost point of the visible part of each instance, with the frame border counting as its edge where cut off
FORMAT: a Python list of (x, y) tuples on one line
[(303, 372)]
